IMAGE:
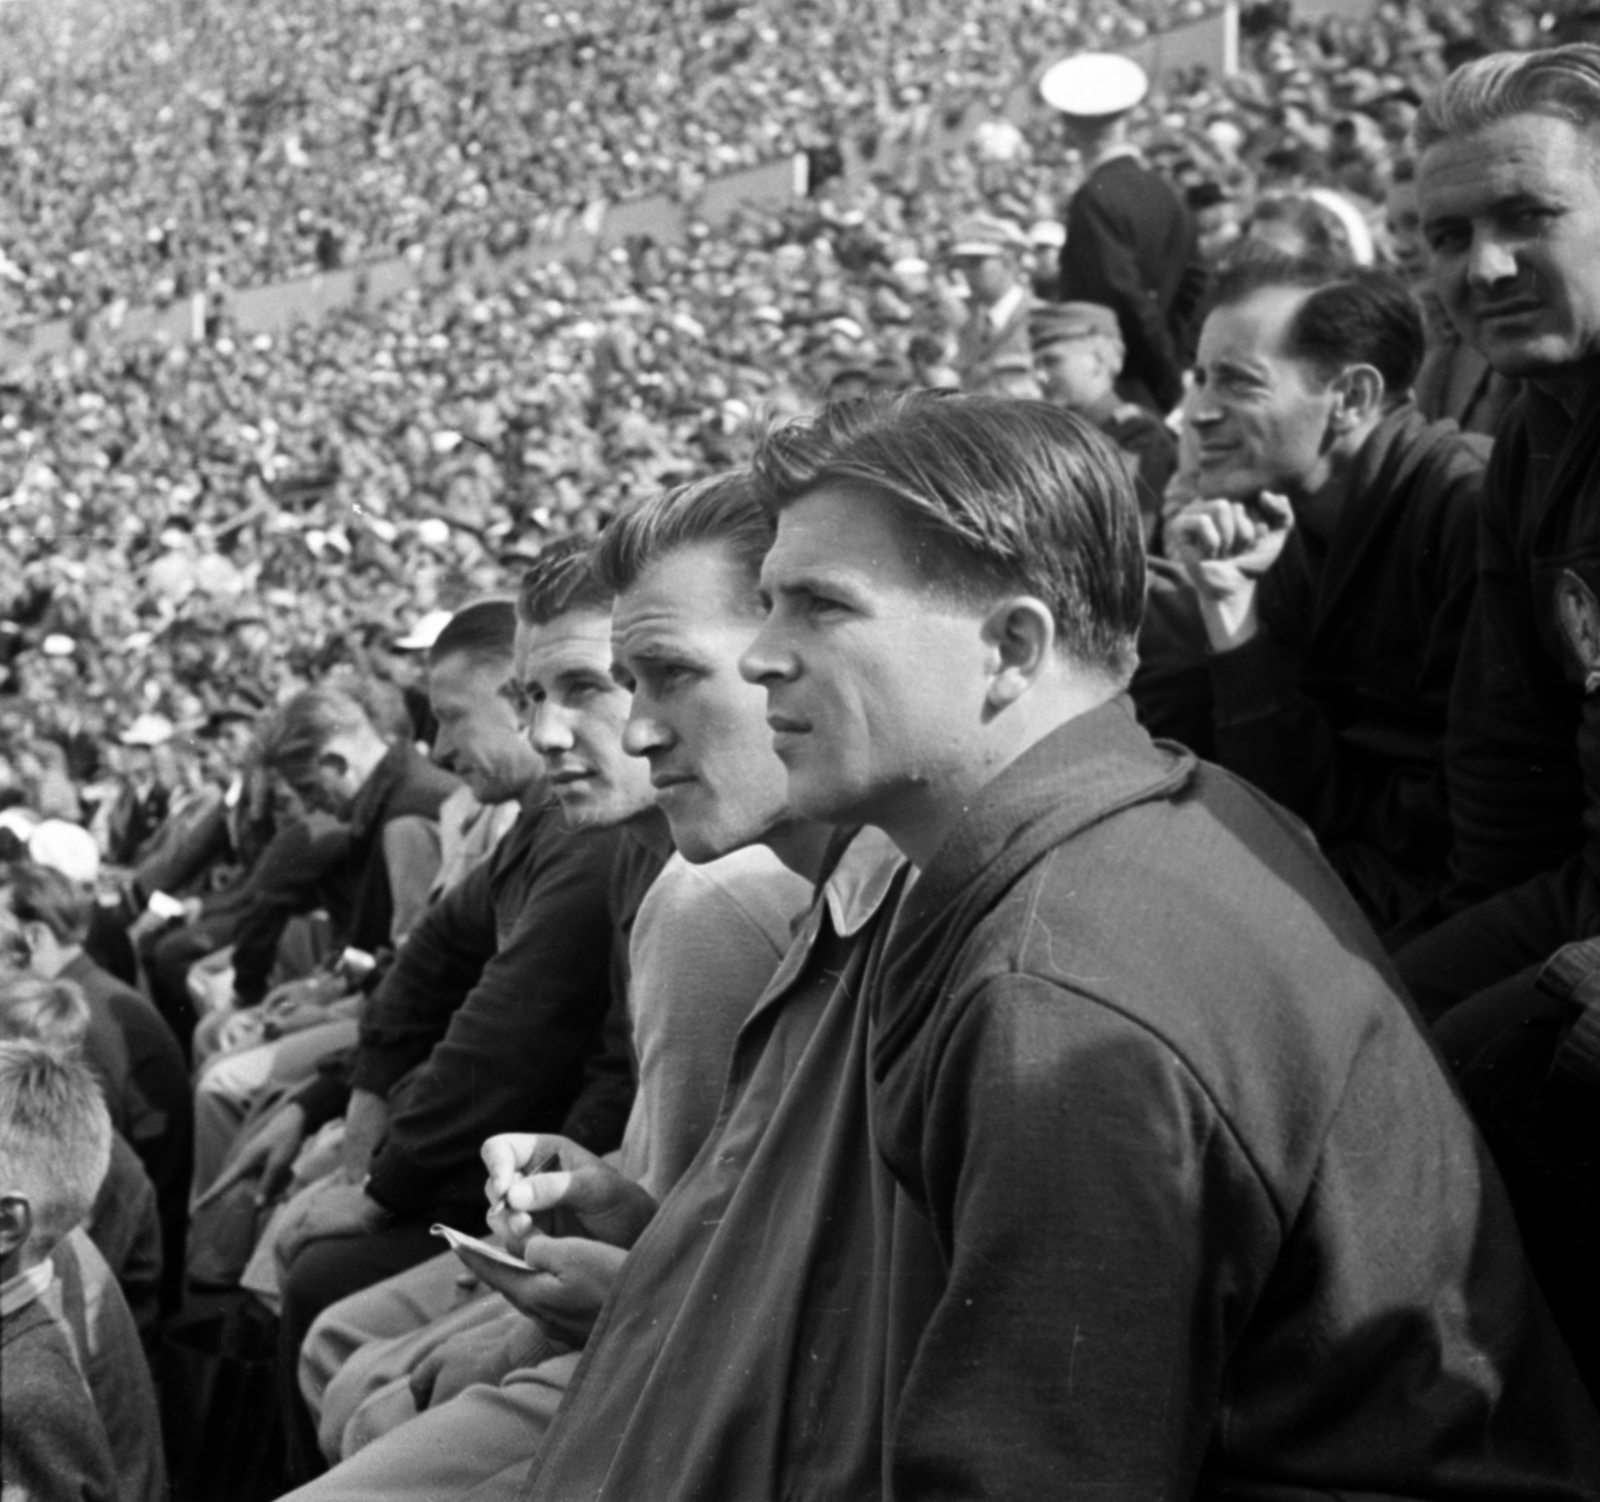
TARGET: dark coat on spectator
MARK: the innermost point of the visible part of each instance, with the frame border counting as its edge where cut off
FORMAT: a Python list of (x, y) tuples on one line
[(493, 1006), (1337, 707), (1131, 246), (1213, 1221), (1525, 717)]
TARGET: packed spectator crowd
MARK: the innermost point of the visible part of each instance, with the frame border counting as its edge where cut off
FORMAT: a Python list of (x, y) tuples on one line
[(316, 648)]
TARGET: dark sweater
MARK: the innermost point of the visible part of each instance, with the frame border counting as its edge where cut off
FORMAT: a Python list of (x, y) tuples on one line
[(1525, 716), (1213, 1221), (1337, 707), (493, 1006)]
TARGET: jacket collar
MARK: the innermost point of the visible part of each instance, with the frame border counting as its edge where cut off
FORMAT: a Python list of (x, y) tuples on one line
[(1401, 445), (1086, 771)]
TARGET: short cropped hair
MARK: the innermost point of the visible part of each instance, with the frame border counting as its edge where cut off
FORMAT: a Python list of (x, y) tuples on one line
[(300, 731), (55, 1136), (484, 632), (1004, 496), (41, 894), (728, 509), (52, 1012), (560, 581), (1358, 315), (1561, 82)]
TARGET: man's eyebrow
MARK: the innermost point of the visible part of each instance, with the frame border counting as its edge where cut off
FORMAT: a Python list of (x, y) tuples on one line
[(1239, 368)]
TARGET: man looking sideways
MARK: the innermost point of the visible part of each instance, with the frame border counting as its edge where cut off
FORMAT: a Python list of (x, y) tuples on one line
[(1334, 639), (1210, 1217), (1508, 184), (736, 1355)]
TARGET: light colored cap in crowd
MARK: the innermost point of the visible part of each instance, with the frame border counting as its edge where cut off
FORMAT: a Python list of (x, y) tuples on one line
[(425, 633), (1093, 85), (987, 235), (1048, 234), (67, 848), (18, 821), (1051, 322), (148, 730), (56, 644)]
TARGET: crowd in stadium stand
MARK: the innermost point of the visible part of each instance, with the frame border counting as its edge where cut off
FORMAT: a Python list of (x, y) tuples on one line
[(284, 806)]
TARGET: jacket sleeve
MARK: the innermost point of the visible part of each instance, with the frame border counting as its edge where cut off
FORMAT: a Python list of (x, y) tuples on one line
[(512, 1056), (432, 975), (287, 880), (1515, 789), (1100, 263), (1080, 1199)]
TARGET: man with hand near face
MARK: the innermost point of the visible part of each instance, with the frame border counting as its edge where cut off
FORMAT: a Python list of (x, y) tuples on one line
[(1334, 563), (1210, 1218), (1508, 187)]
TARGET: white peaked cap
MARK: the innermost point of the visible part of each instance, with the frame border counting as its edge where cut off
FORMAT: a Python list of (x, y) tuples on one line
[(1094, 84)]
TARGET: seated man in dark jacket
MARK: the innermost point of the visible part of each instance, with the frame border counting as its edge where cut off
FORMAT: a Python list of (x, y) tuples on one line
[(1333, 562), (1213, 1221)]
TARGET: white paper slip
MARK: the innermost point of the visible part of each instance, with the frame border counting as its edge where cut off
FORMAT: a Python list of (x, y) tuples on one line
[(459, 1241)]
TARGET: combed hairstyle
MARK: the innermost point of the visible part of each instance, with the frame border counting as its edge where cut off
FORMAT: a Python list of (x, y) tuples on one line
[(1358, 315), (300, 731), (1561, 82), (560, 581), (41, 894), (728, 509), (55, 1136), (52, 1012), (996, 497), (483, 632), (1317, 227)]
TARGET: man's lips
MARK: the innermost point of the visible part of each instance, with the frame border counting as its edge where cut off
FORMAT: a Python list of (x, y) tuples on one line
[(661, 781), (1494, 312), (568, 775), (783, 725)]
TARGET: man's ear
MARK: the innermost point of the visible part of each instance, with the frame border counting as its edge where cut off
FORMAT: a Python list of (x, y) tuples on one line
[(333, 763), (16, 1223), (1021, 636), (1358, 397)]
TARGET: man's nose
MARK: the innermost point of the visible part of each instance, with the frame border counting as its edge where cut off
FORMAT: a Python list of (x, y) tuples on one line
[(1491, 261), (549, 731), (643, 733), (765, 660)]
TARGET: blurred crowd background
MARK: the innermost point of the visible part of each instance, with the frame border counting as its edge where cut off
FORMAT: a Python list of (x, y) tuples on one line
[(183, 522)]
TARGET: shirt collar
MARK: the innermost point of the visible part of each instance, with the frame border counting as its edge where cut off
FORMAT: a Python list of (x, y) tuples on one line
[(1001, 312), (26, 1288), (858, 884), (1112, 153)]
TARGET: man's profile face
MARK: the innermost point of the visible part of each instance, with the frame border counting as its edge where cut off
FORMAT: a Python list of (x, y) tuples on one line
[(677, 637), (875, 682), (1403, 219), (575, 715), (1511, 215), (1075, 372), (988, 278), (1261, 417), (480, 738)]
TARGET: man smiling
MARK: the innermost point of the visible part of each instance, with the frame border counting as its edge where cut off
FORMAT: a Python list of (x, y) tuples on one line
[(1334, 639), (1210, 1218), (1508, 184)]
